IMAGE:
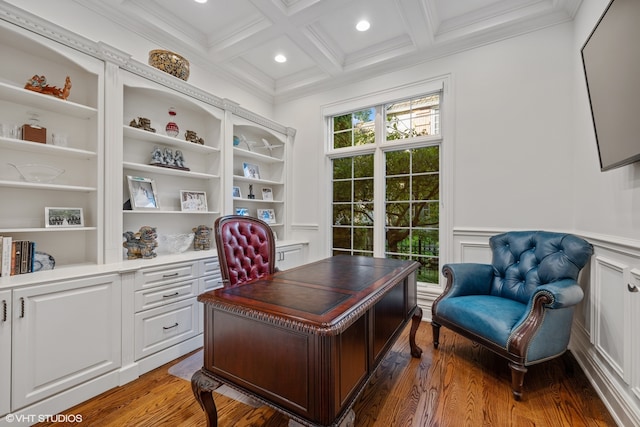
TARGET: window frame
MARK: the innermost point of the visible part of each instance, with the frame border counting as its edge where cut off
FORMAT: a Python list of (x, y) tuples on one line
[(445, 140)]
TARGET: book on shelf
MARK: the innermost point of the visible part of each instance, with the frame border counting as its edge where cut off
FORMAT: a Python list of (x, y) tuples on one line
[(5, 256), (17, 256)]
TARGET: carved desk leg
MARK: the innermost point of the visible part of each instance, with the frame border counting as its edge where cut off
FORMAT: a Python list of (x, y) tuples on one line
[(415, 322), (203, 386)]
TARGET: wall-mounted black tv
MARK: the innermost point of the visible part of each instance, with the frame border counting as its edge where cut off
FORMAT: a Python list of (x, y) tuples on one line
[(611, 61)]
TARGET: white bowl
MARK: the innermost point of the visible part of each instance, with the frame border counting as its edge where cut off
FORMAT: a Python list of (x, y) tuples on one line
[(34, 172), (176, 243)]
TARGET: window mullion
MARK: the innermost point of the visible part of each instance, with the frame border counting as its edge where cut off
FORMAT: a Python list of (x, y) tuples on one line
[(379, 185)]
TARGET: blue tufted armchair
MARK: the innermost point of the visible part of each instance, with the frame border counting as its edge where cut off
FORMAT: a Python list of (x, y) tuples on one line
[(520, 306)]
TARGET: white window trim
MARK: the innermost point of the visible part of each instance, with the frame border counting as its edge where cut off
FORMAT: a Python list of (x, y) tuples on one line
[(446, 138)]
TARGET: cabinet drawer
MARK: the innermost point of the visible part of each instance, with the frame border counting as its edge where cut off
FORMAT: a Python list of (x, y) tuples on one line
[(166, 274), (160, 296), (162, 327), (209, 283), (209, 266)]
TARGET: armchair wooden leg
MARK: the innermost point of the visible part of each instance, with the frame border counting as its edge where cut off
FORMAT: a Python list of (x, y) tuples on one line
[(517, 379), (435, 328), (203, 386)]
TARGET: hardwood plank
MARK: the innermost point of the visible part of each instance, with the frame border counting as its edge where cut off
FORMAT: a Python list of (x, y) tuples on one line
[(460, 384)]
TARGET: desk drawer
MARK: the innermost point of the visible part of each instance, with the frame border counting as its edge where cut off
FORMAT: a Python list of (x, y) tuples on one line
[(166, 274), (162, 327), (161, 296)]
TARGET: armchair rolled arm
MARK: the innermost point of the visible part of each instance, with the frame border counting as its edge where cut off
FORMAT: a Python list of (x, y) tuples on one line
[(563, 293), (467, 279)]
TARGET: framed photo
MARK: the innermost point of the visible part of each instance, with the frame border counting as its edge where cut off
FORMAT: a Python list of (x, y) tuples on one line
[(142, 193), (63, 217), (251, 171), (267, 193), (242, 211), (267, 215), (236, 193), (193, 201)]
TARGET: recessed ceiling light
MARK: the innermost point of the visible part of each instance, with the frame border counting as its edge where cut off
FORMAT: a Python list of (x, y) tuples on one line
[(201, 1), (363, 25), (280, 58)]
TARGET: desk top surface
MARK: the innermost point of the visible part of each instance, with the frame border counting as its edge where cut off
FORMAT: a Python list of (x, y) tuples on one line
[(320, 293)]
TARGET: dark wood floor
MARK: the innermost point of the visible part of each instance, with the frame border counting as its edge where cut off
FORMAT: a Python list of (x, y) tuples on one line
[(461, 384)]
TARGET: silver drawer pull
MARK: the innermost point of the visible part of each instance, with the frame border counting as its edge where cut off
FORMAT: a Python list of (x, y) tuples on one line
[(166, 328), (172, 295), (165, 276)]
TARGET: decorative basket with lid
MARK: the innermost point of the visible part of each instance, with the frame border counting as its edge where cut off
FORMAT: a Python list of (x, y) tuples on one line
[(170, 63)]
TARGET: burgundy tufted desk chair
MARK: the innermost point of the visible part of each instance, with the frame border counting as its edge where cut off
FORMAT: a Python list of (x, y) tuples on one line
[(246, 249)]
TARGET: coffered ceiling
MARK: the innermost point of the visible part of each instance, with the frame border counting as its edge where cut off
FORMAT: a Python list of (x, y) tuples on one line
[(239, 38)]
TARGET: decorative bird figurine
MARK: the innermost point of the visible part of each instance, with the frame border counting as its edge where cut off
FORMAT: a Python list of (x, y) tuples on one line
[(248, 143), (270, 146)]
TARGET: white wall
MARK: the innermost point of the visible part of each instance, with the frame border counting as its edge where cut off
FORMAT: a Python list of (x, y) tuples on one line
[(524, 147), (607, 203), (77, 18), (512, 136)]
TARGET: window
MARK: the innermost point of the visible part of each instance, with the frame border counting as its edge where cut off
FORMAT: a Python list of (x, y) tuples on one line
[(413, 117), (354, 129), (412, 188), (353, 205), (389, 207)]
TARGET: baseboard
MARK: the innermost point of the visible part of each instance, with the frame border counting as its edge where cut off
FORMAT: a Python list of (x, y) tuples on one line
[(610, 388), (167, 355), (61, 402)]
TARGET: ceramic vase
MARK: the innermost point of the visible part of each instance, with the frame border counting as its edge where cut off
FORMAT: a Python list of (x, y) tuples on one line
[(172, 128)]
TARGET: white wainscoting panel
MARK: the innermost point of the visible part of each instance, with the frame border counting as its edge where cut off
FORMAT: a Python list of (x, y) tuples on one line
[(608, 318)]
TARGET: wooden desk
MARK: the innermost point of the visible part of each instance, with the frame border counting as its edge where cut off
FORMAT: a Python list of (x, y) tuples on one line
[(305, 341)]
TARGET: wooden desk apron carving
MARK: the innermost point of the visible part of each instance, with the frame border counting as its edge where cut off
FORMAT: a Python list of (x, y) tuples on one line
[(306, 341)]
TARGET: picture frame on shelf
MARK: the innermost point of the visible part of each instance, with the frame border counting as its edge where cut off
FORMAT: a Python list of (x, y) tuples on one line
[(250, 170), (142, 193), (267, 193), (63, 217), (242, 211), (193, 201), (235, 193), (267, 215)]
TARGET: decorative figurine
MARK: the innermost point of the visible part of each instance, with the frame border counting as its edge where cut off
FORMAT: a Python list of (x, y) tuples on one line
[(191, 136), (179, 160), (141, 244), (39, 84), (142, 123), (269, 146), (202, 239), (251, 195), (156, 157), (168, 157), (172, 128)]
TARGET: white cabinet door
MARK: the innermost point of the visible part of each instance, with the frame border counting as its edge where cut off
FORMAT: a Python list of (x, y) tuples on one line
[(64, 333), (5, 351), (289, 256), (633, 289)]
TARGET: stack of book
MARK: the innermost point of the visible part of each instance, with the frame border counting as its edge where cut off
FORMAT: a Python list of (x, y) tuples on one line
[(16, 256)]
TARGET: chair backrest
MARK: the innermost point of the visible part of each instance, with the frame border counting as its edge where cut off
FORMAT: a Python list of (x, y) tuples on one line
[(524, 260), (246, 248)]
